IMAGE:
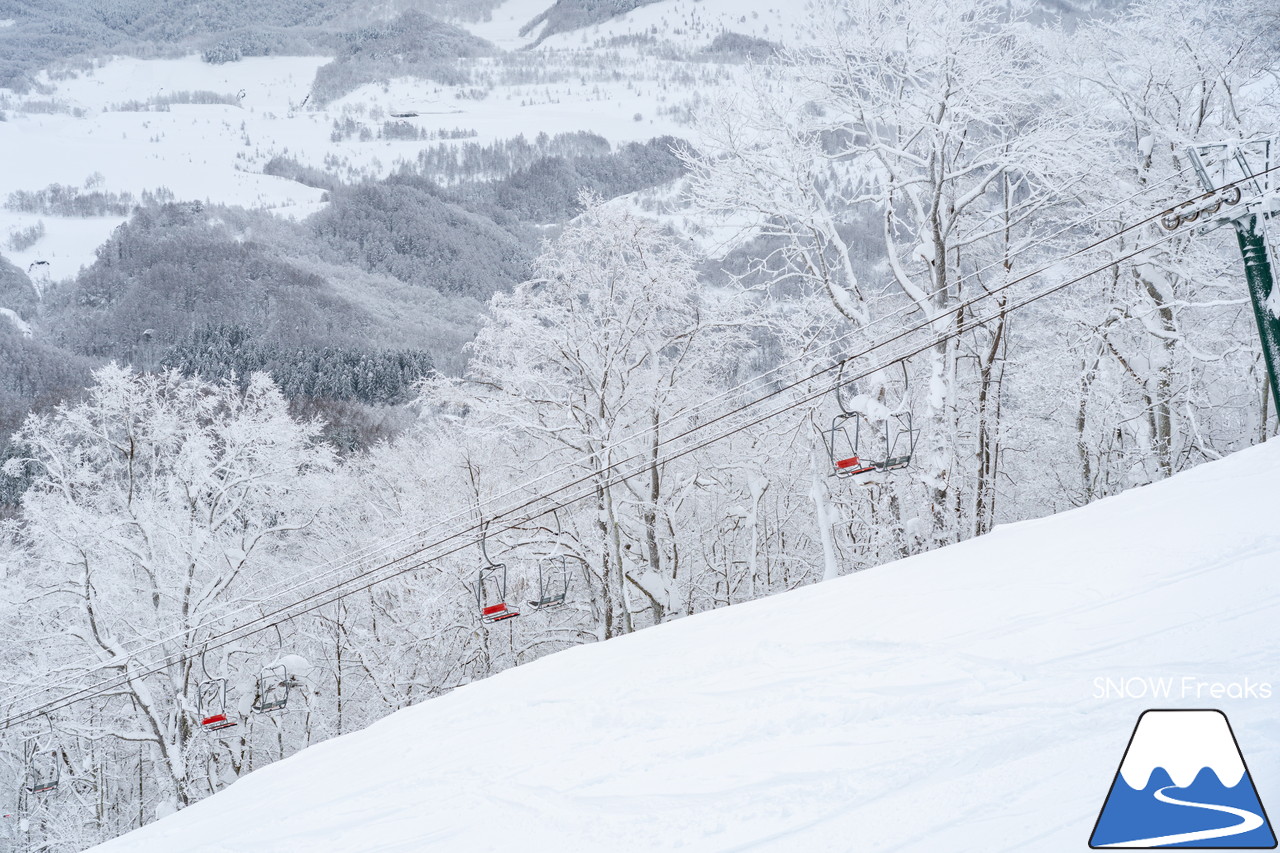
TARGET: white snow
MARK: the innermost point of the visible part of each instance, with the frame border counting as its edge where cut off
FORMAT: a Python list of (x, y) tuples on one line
[(202, 152), (216, 152), (295, 665), (12, 316), (68, 244), (1183, 743), (947, 702), (698, 22), (503, 26)]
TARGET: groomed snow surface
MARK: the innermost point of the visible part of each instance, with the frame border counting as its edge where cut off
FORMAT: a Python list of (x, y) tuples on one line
[(943, 703)]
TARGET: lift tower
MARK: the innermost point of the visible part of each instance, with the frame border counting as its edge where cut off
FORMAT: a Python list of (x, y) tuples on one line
[(1250, 168)]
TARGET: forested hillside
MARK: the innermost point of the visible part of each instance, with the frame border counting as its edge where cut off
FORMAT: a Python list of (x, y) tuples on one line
[(412, 45), (45, 32), (223, 292), (566, 15)]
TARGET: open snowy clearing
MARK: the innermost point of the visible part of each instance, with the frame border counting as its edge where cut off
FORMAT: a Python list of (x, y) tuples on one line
[(942, 703), (504, 25), (201, 152), (215, 152)]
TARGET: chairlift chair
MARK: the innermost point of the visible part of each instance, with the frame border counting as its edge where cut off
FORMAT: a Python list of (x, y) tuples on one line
[(491, 587), (843, 440), (45, 776), (856, 445), (213, 705), (274, 685), (491, 594), (553, 573), (44, 767), (901, 445), (553, 582), (212, 697)]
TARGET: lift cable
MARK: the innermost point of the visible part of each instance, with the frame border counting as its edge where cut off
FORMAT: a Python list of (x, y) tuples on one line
[(365, 555), (379, 575), (338, 590)]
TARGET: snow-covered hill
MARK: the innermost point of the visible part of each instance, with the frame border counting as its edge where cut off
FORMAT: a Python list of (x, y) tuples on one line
[(205, 132), (949, 702)]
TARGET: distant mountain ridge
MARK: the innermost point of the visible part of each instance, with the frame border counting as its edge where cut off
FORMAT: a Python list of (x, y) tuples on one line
[(413, 44), (47, 32), (568, 15)]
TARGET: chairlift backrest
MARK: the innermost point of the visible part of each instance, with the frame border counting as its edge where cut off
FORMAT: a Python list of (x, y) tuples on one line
[(553, 582), (213, 705), (274, 684), (44, 767), (491, 594)]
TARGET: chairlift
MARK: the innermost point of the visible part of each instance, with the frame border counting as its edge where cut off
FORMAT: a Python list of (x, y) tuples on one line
[(43, 762), (899, 442), (553, 574), (213, 706), (553, 582), (273, 688), (857, 444), (491, 587), (844, 441), (212, 698)]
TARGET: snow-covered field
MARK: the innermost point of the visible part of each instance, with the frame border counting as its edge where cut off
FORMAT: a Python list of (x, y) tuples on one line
[(89, 122), (504, 25), (948, 702), (202, 152)]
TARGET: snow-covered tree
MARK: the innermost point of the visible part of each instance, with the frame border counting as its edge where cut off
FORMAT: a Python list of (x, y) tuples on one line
[(158, 505), (1169, 373), (896, 165), (587, 364)]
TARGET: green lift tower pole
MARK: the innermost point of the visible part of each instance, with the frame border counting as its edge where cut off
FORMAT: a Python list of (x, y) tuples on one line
[(1261, 279), (1248, 167)]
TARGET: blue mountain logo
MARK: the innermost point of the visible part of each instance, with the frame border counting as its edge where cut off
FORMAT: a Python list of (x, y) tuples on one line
[(1183, 783)]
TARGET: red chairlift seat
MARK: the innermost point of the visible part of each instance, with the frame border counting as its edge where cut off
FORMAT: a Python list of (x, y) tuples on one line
[(854, 465), (213, 703), (498, 612), (491, 588), (43, 787), (216, 722)]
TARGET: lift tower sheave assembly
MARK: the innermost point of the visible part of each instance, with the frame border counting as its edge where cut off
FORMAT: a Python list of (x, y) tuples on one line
[(1249, 165)]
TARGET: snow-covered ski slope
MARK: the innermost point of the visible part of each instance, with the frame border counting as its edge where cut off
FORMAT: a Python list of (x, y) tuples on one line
[(938, 704)]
